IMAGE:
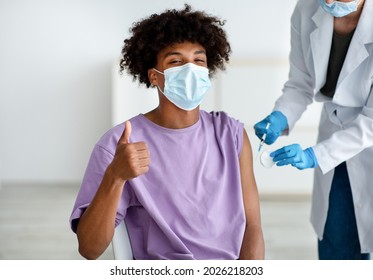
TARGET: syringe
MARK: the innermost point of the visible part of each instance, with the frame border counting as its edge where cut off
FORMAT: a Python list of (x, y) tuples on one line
[(263, 137)]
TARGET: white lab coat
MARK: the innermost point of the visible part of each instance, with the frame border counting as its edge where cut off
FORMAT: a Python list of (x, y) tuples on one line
[(346, 125)]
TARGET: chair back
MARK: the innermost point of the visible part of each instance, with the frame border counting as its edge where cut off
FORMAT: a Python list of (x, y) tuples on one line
[(121, 243)]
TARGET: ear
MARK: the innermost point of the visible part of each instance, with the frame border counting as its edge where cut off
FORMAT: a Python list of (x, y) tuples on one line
[(152, 75)]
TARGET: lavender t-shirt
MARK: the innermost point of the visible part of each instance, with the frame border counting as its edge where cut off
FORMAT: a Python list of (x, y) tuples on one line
[(189, 204)]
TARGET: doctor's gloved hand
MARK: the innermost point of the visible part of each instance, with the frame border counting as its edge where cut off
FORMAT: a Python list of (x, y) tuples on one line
[(294, 155), (277, 123)]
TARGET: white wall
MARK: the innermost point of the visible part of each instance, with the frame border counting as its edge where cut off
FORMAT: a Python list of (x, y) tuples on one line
[(55, 83), (56, 77)]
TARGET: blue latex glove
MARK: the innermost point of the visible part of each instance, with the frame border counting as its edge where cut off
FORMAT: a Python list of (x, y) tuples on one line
[(278, 122), (294, 155)]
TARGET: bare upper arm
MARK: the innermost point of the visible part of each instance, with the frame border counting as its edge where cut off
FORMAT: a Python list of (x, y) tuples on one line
[(248, 183)]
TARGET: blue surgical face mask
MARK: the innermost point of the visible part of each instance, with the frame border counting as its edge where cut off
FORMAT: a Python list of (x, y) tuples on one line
[(186, 85), (340, 9)]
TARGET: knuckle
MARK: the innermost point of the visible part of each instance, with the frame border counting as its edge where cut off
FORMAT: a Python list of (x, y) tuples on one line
[(143, 145)]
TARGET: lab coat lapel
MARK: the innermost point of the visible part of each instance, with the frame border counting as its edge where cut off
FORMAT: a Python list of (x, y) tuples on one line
[(321, 40), (357, 51)]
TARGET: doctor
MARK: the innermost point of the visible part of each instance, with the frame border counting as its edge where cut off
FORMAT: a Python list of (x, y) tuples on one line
[(331, 61)]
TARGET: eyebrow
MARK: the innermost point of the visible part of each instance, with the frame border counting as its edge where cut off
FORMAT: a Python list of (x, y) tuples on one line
[(179, 53)]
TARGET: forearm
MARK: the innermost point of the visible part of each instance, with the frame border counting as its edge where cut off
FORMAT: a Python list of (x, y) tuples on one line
[(253, 243), (345, 144), (96, 226), (298, 89)]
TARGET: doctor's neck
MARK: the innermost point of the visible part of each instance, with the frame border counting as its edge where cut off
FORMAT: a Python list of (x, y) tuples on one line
[(345, 25)]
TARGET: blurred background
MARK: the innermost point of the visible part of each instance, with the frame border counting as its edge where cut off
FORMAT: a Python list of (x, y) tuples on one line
[(60, 91)]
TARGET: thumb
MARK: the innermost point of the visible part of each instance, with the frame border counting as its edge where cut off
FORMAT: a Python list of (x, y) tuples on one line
[(125, 138)]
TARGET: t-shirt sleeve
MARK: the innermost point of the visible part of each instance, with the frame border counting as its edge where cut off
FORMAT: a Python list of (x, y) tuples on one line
[(238, 129), (229, 129), (97, 165)]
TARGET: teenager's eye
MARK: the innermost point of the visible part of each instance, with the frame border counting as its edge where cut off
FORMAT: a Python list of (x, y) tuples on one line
[(199, 60), (175, 61)]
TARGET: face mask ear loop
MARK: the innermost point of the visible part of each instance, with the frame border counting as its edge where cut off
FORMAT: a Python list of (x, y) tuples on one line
[(163, 75), (158, 71), (159, 89)]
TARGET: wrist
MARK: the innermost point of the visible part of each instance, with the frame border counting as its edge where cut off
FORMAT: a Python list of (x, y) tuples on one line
[(310, 153), (113, 176), (282, 119)]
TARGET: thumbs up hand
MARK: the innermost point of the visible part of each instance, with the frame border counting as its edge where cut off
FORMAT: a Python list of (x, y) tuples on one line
[(131, 159), (126, 132)]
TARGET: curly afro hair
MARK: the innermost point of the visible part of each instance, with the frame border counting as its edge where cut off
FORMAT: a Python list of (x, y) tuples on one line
[(151, 35)]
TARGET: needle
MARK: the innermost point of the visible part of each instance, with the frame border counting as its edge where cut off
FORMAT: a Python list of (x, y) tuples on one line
[(263, 138)]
